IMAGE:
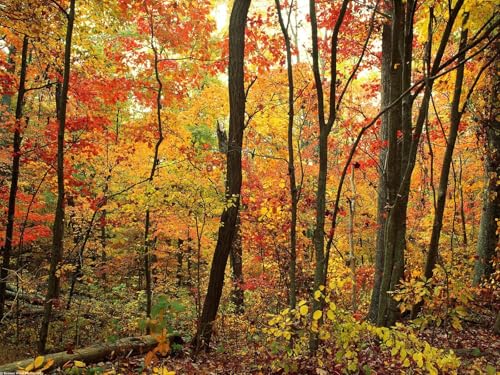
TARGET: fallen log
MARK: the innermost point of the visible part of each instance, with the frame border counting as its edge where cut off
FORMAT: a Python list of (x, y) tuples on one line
[(92, 354), (33, 299)]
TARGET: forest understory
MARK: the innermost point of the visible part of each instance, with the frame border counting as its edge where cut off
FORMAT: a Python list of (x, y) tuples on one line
[(249, 187)]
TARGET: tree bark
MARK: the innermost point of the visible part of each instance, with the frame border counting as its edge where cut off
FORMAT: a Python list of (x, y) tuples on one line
[(147, 220), (496, 327), (382, 182), (227, 227), (325, 126), (9, 231), (236, 260), (294, 191), (399, 180), (394, 154), (433, 254), (488, 238), (92, 354), (455, 116), (58, 228)]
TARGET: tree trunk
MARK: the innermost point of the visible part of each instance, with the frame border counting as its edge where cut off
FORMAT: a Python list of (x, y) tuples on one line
[(488, 239), (352, 246), (325, 126), (9, 232), (382, 181), (399, 179), (227, 228), (455, 116), (147, 268), (92, 354), (147, 219), (236, 260), (393, 170), (294, 193), (58, 228)]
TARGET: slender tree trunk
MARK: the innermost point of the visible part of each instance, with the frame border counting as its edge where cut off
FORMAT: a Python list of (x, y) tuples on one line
[(147, 220), (147, 267), (462, 204), (456, 115), (58, 228), (352, 246), (382, 182), (325, 126), (227, 228), (433, 254), (294, 193), (236, 260), (9, 232)]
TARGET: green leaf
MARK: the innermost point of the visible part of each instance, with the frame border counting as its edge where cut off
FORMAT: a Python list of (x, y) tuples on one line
[(490, 370)]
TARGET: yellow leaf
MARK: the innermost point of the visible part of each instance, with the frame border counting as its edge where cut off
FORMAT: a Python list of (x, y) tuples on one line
[(29, 367), (324, 335), (38, 361), (47, 365), (317, 315), (406, 363), (303, 310), (79, 364), (419, 359), (330, 315), (317, 295), (403, 354)]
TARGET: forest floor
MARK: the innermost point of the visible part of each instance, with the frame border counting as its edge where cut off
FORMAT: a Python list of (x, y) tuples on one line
[(475, 344), (233, 353)]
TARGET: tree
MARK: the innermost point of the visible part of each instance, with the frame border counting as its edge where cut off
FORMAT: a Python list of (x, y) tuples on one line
[(227, 230), (16, 144), (403, 141), (488, 239), (58, 228), (294, 190), (381, 187), (325, 127)]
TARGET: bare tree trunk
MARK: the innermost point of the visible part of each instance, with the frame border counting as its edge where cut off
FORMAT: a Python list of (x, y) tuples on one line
[(462, 204), (236, 260), (227, 228), (382, 182), (399, 188), (325, 126), (352, 246), (294, 191), (9, 232), (147, 220), (393, 170), (58, 228), (433, 254), (488, 238)]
